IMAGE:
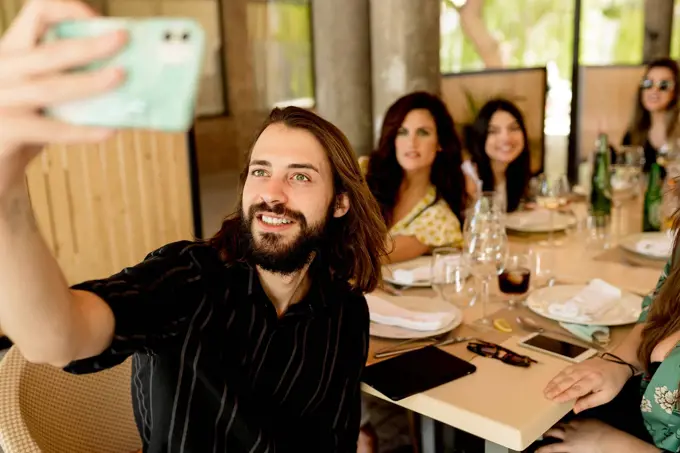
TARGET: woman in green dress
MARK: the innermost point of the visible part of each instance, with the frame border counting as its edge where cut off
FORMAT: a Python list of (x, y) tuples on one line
[(619, 409)]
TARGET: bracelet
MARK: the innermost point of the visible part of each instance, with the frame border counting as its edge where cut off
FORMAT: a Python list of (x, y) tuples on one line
[(619, 360)]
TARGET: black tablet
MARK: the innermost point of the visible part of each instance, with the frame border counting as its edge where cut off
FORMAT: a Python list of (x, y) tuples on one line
[(415, 372)]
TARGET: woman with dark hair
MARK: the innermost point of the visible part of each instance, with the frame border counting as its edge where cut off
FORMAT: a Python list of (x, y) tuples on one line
[(499, 148), (655, 120), (415, 174)]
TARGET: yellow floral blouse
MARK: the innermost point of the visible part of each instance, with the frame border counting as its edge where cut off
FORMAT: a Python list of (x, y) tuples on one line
[(431, 222)]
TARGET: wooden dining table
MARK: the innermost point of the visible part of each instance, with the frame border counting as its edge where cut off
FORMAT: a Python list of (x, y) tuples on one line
[(502, 404)]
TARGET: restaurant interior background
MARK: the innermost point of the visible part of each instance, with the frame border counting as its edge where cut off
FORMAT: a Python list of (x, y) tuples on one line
[(143, 191), (572, 66)]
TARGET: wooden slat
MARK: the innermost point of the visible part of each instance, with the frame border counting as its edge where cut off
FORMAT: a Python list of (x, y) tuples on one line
[(131, 195), (607, 102), (102, 208)]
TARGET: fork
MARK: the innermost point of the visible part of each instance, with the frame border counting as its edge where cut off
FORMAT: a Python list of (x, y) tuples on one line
[(453, 340), (399, 345)]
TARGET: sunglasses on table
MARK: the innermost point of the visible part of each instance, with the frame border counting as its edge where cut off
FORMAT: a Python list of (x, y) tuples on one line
[(496, 351), (662, 85)]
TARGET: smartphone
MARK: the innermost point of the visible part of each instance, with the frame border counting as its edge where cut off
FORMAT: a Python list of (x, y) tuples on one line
[(557, 348), (163, 61)]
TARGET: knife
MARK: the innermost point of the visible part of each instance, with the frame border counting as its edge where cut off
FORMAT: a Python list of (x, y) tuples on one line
[(454, 340)]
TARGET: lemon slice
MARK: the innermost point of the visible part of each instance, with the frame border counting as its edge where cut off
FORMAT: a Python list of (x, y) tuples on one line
[(502, 325)]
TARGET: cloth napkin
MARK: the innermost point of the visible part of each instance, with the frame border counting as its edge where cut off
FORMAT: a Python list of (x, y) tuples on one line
[(383, 311), (585, 333), (534, 217), (660, 247), (410, 276), (592, 302)]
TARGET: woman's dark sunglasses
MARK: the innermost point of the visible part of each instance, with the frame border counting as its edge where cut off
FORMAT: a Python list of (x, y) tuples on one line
[(662, 85), (496, 351)]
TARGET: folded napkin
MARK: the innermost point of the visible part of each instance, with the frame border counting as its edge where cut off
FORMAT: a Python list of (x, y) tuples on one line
[(534, 217), (385, 312), (410, 276), (587, 333), (592, 302), (660, 247)]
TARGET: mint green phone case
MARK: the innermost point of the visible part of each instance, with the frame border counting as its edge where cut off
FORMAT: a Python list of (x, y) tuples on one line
[(163, 62)]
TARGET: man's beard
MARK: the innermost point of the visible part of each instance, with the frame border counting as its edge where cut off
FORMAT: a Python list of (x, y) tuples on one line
[(276, 253)]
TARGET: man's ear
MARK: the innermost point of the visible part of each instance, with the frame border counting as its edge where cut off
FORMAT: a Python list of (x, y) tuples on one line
[(341, 205)]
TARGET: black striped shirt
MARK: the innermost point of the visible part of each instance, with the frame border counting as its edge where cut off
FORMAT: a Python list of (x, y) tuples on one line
[(215, 369)]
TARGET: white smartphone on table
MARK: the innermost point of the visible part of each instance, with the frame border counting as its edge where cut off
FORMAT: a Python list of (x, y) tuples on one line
[(557, 348)]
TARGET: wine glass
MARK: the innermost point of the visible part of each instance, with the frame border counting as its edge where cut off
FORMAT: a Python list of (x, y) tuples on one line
[(488, 201), (553, 194), (488, 206), (485, 249), (515, 278), (627, 162), (450, 273), (634, 160)]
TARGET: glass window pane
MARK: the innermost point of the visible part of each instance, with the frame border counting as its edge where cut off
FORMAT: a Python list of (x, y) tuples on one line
[(612, 32), (281, 43)]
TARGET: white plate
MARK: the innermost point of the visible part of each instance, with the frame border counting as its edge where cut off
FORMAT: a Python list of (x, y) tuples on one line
[(626, 312), (408, 265), (629, 244), (422, 261), (538, 221), (425, 304)]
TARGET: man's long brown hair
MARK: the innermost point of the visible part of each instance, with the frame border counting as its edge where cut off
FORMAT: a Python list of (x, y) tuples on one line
[(357, 240)]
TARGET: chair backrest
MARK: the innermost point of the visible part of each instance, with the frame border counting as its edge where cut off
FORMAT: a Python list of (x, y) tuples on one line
[(44, 409)]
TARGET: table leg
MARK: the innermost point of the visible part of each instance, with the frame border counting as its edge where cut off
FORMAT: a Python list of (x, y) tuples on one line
[(490, 447), (428, 435)]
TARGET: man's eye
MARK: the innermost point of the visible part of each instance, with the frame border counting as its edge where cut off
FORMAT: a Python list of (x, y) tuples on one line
[(258, 173)]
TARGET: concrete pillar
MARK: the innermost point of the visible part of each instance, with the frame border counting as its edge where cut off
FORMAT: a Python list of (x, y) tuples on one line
[(342, 68), (404, 50), (658, 29)]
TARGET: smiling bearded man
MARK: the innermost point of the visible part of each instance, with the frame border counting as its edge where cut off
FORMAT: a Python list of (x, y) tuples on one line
[(251, 341)]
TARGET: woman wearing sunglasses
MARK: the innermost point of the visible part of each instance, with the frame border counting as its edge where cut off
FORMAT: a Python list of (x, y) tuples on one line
[(655, 119), (628, 401)]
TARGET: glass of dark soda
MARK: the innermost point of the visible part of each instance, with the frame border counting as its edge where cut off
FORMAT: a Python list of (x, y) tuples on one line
[(515, 278)]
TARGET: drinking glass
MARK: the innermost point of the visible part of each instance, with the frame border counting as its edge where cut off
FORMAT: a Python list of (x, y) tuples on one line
[(485, 249), (553, 194), (450, 273), (515, 278), (627, 163), (488, 201), (487, 208), (542, 261), (598, 232), (634, 160)]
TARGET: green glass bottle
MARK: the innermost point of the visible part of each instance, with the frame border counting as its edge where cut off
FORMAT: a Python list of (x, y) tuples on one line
[(651, 216), (601, 185)]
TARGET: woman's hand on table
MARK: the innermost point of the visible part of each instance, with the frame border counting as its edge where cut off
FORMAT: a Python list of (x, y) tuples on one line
[(593, 436), (591, 383)]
